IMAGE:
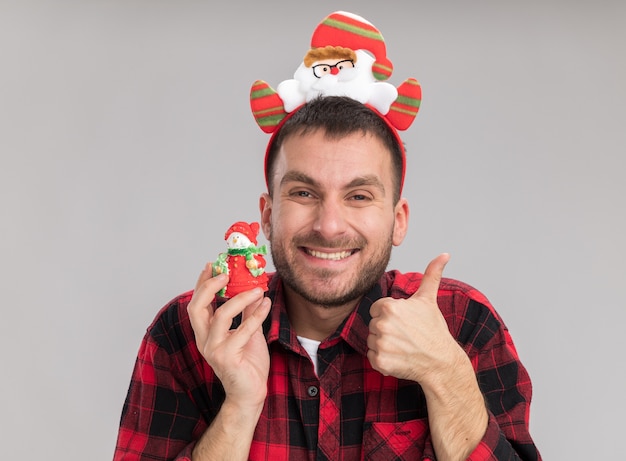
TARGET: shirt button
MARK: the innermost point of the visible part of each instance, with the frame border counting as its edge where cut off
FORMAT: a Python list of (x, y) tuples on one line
[(312, 391)]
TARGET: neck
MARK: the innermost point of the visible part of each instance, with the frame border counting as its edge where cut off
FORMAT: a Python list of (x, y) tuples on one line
[(312, 320)]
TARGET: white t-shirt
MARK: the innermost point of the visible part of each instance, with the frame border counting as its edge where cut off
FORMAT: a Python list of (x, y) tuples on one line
[(311, 347)]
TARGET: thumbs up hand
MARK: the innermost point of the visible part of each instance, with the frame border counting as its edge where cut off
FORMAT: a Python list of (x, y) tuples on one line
[(409, 338)]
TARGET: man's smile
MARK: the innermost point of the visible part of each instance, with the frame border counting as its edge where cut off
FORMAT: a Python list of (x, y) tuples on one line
[(333, 256)]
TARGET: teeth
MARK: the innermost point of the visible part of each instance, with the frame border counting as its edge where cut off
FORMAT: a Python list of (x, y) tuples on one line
[(333, 256)]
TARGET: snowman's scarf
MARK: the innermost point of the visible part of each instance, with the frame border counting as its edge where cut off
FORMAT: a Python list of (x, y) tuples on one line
[(248, 252)]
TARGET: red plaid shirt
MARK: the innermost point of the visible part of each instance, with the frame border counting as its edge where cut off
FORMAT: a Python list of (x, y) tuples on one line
[(349, 412)]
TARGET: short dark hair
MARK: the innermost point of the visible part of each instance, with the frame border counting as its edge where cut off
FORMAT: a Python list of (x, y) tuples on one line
[(338, 116)]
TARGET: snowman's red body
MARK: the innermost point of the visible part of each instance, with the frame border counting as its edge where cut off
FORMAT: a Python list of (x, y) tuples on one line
[(240, 277)]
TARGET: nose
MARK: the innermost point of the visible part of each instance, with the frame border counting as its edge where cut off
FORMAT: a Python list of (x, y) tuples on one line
[(334, 70), (330, 220)]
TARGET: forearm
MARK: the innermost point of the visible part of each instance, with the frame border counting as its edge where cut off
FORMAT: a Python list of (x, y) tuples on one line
[(230, 434), (458, 417)]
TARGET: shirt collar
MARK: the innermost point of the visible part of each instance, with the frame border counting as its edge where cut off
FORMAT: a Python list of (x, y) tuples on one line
[(353, 330)]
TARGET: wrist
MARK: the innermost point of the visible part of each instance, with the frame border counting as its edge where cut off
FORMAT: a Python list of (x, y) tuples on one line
[(241, 412), (230, 434), (452, 373)]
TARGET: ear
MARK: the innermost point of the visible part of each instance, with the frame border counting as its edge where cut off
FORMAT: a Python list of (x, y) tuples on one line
[(265, 207), (401, 222)]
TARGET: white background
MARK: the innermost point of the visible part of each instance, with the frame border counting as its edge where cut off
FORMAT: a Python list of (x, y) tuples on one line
[(127, 148)]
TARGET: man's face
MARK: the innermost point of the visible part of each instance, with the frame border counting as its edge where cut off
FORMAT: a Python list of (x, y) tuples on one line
[(331, 221)]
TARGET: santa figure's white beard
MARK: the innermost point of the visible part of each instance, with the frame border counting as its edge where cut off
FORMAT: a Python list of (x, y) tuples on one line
[(357, 83), (351, 85)]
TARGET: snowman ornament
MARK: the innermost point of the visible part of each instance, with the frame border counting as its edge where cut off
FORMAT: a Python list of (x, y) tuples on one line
[(243, 262)]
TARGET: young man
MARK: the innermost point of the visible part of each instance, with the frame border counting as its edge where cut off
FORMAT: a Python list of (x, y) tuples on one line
[(341, 359)]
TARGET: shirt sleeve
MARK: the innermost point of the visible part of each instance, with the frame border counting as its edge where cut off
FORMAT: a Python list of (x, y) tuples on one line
[(505, 384), (159, 421), (160, 418), (496, 447)]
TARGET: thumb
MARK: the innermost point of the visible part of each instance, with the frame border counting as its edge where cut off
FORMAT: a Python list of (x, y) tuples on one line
[(432, 278)]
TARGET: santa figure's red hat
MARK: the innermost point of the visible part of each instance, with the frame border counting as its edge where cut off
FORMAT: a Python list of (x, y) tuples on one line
[(250, 230), (352, 31)]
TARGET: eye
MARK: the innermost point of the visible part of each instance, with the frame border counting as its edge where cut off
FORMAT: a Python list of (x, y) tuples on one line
[(359, 198), (347, 64), (301, 195), (320, 70)]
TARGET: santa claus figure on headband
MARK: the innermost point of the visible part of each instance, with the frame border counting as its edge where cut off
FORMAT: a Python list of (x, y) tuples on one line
[(348, 57), (337, 71)]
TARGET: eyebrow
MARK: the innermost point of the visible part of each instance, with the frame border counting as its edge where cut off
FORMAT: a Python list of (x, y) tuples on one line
[(359, 181), (298, 176), (367, 180)]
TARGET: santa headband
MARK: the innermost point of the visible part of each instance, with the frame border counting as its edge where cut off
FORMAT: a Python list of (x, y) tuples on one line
[(348, 57)]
